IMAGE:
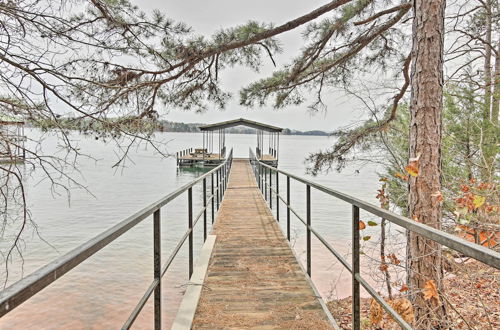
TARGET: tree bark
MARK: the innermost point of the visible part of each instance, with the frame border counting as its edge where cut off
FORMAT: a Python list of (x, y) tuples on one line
[(488, 139), (495, 107), (424, 263)]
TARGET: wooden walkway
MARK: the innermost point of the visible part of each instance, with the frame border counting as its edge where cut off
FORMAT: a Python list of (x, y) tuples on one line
[(253, 278)]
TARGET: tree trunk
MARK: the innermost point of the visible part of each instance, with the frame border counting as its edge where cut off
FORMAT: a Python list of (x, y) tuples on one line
[(424, 263), (487, 134), (495, 107)]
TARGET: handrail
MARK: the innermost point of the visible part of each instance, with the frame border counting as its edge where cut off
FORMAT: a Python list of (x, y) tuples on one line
[(478, 252), (27, 287)]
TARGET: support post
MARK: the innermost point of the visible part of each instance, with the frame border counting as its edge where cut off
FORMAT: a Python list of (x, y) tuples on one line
[(265, 183), (257, 169), (218, 189), (270, 189), (213, 197), (277, 196), (278, 148), (260, 178), (190, 226), (356, 323), (308, 219), (223, 182), (204, 209), (288, 207), (157, 267)]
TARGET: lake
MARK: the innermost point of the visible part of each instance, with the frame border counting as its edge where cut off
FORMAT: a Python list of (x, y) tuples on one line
[(102, 291)]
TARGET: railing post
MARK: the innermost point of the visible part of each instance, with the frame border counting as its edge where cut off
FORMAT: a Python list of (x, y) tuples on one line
[(265, 183), (222, 178), (205, 209), (157, 267), (308, 220), (288, 207), (218, 189), (190, 226), (225, 176), (260, 177), (270, 189), (213, 197), (277, 196), (356, 323)]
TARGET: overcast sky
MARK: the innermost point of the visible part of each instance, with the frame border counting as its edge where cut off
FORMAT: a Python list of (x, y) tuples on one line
[(209, 16)]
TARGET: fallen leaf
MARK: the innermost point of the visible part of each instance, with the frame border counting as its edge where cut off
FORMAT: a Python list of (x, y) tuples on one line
[(366, 238), (376, 312), (404, 308), (372, 223), (430, 290)]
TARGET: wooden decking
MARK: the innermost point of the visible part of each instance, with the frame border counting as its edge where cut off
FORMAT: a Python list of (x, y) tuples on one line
[(208, 159), (253, 278), (268, 158)]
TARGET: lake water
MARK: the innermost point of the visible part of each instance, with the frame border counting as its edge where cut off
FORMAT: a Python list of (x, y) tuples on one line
[(101, 292)]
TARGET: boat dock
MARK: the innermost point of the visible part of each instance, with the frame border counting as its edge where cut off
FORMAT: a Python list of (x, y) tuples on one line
[(211, 154), (253, 277)]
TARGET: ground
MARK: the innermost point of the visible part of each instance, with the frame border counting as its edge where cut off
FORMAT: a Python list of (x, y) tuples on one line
[(473, 291)]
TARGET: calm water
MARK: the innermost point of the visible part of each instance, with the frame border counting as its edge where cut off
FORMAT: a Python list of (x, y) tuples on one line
[(101, 292)]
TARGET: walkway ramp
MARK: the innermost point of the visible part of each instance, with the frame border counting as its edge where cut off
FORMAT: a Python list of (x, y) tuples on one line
[(253, 278)]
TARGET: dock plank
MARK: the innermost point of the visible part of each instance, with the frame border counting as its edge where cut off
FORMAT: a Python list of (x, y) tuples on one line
[(253, 278)]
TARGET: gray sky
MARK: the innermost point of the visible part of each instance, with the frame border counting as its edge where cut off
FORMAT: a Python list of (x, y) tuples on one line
[(209, 16)]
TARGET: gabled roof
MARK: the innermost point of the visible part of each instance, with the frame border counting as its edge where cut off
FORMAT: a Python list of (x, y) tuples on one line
[(238, 122)]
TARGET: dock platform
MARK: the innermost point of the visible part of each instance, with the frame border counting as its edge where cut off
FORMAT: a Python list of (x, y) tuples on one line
[(253, 277)]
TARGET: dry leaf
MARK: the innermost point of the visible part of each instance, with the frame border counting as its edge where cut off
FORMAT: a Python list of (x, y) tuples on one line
[(394, 259), (412, 170), (438, 195), (412, 167), (401, 176), (430, 290), (361, 225), (376, 312), (404, 308), (478, 201), (404, 288)]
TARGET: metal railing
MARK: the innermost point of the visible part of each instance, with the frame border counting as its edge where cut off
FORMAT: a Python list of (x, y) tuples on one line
[(24, 289), (182, 153), (264, 173)]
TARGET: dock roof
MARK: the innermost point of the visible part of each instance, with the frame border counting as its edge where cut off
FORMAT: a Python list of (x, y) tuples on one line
[(240, 121)]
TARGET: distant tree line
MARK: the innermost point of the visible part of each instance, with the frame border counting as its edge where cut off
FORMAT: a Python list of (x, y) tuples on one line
[(168, 126), (150, 125)]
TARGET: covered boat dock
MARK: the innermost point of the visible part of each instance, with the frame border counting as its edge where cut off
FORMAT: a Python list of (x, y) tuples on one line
[(212, 154)]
